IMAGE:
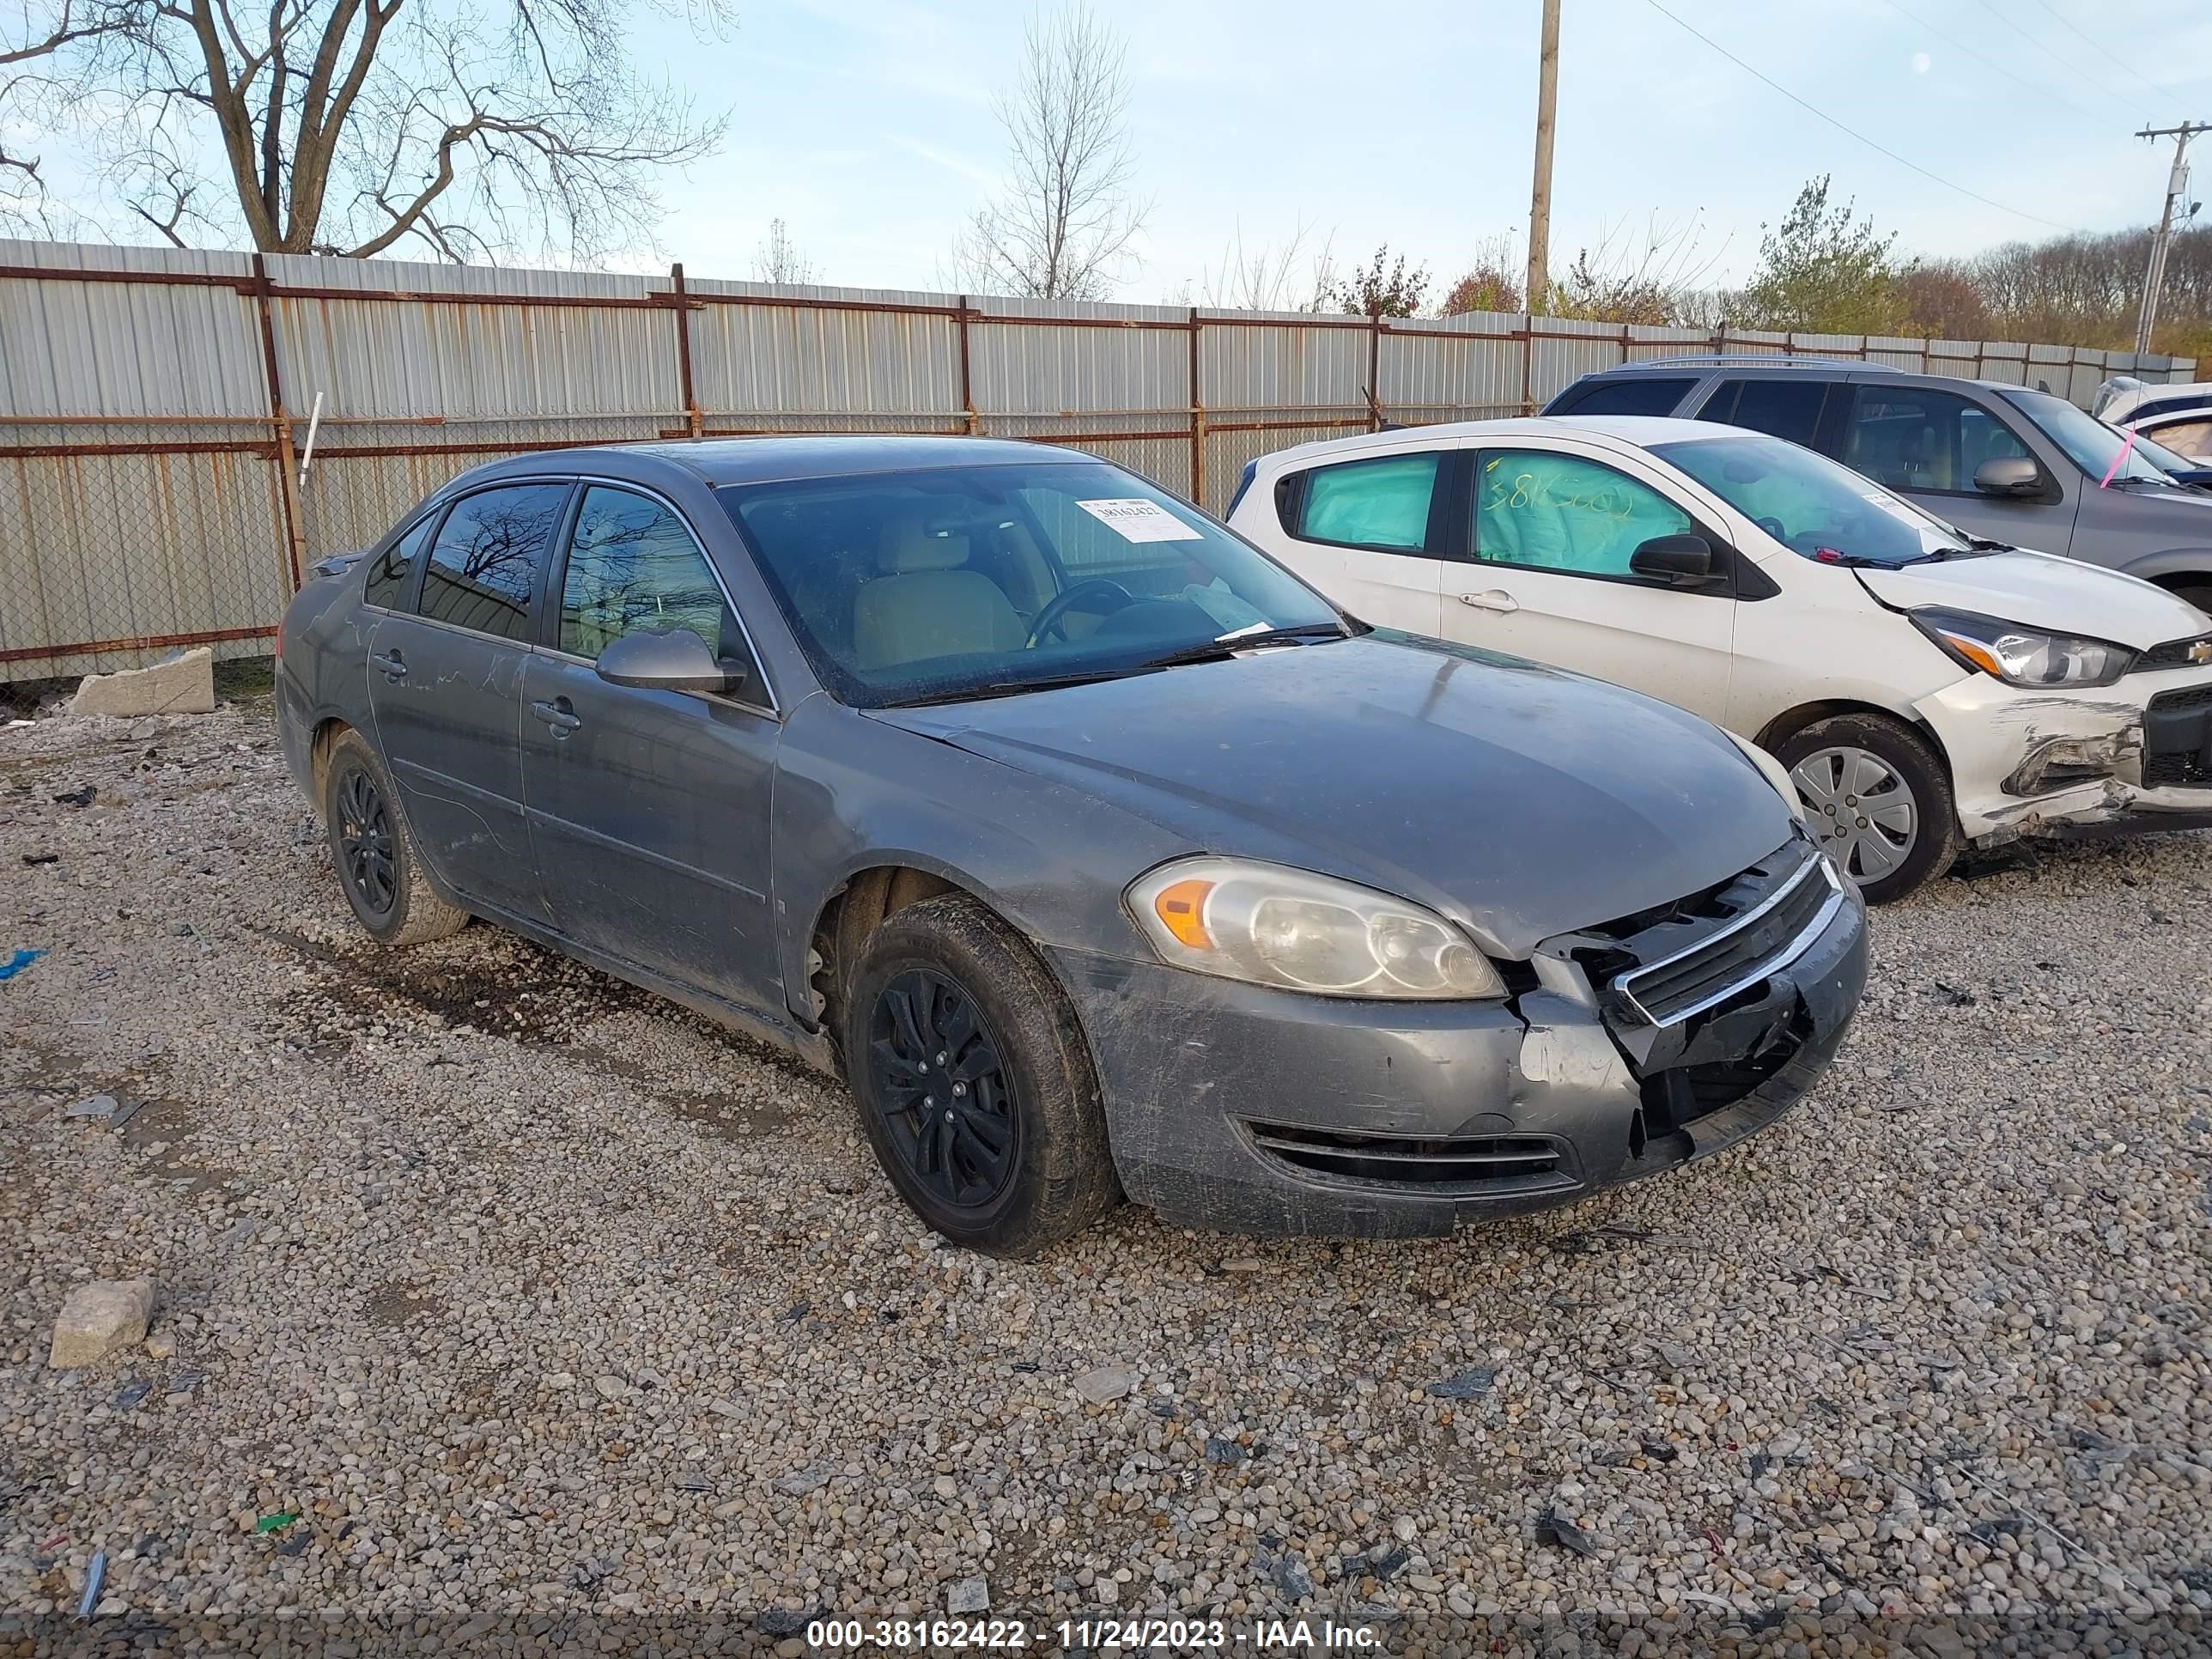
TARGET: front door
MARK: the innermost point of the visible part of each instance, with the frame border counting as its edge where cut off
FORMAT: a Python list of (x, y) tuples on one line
[(1926, 444), (1548, 579), (649, 810), (445, 685)]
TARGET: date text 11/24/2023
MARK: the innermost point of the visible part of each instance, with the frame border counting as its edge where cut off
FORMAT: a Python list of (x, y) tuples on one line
[(1091, 1634)]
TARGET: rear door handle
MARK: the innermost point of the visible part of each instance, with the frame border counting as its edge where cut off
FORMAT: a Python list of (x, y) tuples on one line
[(558, 714), (394, 665), (1495, 600)]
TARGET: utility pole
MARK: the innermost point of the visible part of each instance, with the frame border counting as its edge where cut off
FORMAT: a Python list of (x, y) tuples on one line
[(2177, 185), (1540, 197)]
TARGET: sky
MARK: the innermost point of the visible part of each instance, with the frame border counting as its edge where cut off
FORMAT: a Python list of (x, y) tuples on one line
[(867, 126)]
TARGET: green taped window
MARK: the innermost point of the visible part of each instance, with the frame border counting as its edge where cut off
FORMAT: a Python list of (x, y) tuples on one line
[(1560, 512), (1382, 503)]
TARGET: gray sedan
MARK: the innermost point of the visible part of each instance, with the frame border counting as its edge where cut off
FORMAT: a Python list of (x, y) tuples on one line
[(1095, 851)]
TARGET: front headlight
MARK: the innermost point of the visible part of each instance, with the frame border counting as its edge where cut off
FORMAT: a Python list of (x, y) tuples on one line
[(1270, 924), (2024, 656)]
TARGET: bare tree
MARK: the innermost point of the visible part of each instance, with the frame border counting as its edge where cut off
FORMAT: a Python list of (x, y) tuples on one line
[(1268, 277), (1065, 224), (33, 34), (778, 260), (354, 126)]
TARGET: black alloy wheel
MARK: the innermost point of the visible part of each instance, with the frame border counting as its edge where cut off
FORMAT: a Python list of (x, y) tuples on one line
[(365, 842), (939, 1082)]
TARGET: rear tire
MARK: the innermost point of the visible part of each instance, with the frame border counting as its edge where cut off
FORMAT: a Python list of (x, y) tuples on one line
[(973, 1082), (372, 851), (1878, 799)]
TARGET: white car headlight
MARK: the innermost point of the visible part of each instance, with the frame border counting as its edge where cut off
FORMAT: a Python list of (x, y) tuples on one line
[(1270, 924), (2024, 656), (1772, 770)]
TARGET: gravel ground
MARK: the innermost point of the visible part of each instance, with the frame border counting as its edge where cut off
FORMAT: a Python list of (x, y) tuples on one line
[(537, 1299)]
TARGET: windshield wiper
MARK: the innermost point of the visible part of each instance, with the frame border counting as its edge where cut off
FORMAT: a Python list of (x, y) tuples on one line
[(1244, 639), (1006, 688)]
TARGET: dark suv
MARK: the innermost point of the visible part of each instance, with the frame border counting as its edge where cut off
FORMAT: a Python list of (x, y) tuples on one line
[(2012, 464)]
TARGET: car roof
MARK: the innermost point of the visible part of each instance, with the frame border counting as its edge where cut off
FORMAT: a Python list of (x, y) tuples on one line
[(717, 461), (1824, 368), (1626, 431)]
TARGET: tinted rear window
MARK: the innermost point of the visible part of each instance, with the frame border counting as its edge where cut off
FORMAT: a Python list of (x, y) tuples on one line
[(1655, 395), (1785, 408), (487, 555)]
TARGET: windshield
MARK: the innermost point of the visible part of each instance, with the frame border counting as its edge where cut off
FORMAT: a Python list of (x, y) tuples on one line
[(2089, 442), (921, 586), (2166, 460), (1810, 504)]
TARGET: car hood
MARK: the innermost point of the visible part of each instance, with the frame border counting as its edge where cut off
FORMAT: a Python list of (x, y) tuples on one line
[(2039, 590), (1519, 800)]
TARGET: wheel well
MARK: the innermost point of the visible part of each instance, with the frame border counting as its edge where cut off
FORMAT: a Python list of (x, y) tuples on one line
[(1784, 726), (850, 914), (2174, 581), (319, 754)]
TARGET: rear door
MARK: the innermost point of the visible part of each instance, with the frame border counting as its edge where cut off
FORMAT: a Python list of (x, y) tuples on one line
[(649, 810), (1372, 532), (1550, 536), (445, 673)]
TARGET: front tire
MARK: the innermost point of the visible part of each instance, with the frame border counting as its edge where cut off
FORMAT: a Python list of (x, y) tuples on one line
[(1878, 799), (372, 851), (975, 1084)]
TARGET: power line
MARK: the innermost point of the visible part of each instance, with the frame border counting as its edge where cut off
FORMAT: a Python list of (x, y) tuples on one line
[(2099, 46), (1853, 132), (1990, 63), (2069, 66)]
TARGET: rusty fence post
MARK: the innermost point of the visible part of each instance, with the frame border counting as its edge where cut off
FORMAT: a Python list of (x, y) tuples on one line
[(692, 418), (288, 486), (1375, 373), (966, 385), (1197, 420)]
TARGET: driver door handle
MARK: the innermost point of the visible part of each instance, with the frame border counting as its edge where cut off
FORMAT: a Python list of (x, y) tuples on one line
[(559, 714), (1495, 600), (394, 666)]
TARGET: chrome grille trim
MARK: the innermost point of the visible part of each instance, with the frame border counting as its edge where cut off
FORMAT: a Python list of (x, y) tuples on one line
[(1625, 982)]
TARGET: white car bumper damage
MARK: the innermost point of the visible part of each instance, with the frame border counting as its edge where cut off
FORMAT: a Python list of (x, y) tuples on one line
[(2038, 763)]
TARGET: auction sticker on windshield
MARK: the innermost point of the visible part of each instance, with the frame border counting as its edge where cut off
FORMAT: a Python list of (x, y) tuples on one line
[(1135, 519)]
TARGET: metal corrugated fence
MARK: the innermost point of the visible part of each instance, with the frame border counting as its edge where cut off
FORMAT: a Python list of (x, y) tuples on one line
[(156, 405)]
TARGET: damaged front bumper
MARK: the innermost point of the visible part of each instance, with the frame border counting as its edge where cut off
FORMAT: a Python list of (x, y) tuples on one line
[(1641, 1046), (2137, 755)]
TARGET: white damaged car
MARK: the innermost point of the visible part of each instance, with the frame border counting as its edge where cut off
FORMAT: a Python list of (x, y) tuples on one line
[(1924, 689)]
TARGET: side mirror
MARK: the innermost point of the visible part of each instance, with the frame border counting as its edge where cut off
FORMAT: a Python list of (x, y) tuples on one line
[(2008, 475), (1684, 561), (677, 661)]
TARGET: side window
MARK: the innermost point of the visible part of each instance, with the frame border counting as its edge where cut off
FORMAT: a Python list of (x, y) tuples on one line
[(487, 555), (635, 568), (387, 577), (1561, 513), (1383, 503), (1652, 395), (2191, 438), (1786, 409), (1908, 438)]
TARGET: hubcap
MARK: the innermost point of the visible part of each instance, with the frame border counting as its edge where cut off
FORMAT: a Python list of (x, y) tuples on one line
[(365, 842), (941, 1086), (1859, 809)]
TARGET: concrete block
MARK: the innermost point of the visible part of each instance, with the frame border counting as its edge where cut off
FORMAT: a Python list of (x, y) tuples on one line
[(185, 685)]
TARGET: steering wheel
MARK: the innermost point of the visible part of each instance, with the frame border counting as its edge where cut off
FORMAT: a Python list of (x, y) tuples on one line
[(1068, 598), (1775, 528)]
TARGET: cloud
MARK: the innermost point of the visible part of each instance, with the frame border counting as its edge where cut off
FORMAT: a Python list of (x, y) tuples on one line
[(1922, 63), (968, 168)]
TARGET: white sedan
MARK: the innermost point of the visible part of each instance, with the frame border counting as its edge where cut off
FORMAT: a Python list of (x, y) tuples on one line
[(1923, 688)]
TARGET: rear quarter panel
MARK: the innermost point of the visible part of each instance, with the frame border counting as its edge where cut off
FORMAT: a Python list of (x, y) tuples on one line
[(323, 674)]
